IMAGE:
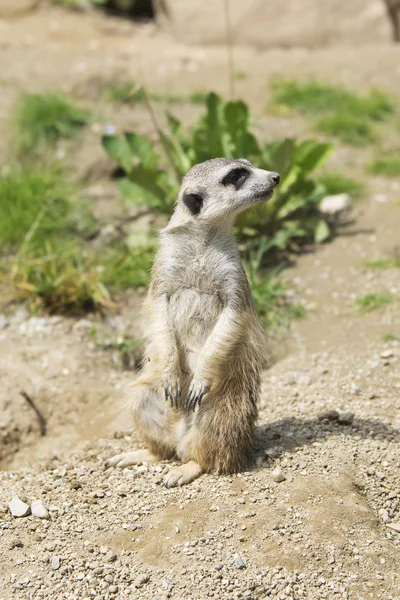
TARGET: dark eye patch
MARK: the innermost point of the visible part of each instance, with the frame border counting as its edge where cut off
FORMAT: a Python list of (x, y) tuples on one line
[(194, 202), (236, 177)]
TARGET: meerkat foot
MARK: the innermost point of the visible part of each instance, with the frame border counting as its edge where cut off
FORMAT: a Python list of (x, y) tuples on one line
[(137, 457), (182, 475)]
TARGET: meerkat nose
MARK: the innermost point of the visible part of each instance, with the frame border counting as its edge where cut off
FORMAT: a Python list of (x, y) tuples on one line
[(275, 178)]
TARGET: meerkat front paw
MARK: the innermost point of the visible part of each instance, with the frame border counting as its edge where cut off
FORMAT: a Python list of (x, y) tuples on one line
[(198, 389), (172, 389)]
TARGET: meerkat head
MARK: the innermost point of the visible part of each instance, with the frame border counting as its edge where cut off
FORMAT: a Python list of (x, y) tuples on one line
[(222, 186)]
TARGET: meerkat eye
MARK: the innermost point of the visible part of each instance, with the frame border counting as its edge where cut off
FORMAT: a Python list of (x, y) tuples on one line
[(236, 177)]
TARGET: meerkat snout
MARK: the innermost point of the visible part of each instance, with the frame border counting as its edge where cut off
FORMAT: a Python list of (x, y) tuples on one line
[(224, 186)]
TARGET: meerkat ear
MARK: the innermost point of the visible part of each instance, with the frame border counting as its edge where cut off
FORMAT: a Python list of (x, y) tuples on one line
[(194, 202)]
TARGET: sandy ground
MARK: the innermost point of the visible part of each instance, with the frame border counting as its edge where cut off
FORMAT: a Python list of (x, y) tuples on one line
[(331, 528)]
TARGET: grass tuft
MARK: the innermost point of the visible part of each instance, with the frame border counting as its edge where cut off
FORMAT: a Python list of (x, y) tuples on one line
[(336, 183), (41, 120), (127, 92), (348, 128), (374, 301), (23, 196), (388, 165), (313, 97), (348, 116), (383, 263)]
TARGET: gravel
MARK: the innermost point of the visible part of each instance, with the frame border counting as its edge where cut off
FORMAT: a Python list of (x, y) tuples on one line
[(19, 508)]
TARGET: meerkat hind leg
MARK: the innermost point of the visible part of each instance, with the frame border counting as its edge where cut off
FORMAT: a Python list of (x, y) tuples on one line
[(184, 474), (127, 459)]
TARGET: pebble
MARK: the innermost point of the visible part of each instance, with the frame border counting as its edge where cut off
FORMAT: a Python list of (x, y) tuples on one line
[(111, 556), (386, 354), (277, 475), (219, 566), (330, 415), (38, 509), (335, 204), (394, 526), (55, 562), (141, 580), (19, 508), (346, 418), (16, 544), (239, 563)]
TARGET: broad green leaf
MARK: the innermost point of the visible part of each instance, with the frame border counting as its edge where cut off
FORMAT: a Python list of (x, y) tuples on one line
[(143, 149), (292, 204), (137, 194), (321, 232), (282, 157), (176, 153), (119, 150), (310, 155)]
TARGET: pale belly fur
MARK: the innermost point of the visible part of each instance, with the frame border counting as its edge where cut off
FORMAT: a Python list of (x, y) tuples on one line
[(193, 315)]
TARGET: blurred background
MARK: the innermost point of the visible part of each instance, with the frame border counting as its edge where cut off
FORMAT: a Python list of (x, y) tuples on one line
[(104, 105)]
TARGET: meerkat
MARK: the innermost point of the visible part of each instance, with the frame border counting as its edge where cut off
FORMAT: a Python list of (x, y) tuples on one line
[(196, 399)]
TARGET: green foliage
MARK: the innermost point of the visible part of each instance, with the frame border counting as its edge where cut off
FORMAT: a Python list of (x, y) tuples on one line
[(23, 196), (383, 263), (313, 97), (270, 298), (336, 183), (130, 93), (41, 120), (387, 165), (153, 173), (60, 280), (348, 128), (128, 268), (347, 115), (80, 4), (374, 301), (390, 337)]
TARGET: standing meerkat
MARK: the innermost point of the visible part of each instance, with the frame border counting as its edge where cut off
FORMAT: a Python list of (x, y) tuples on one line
[(196, 398)]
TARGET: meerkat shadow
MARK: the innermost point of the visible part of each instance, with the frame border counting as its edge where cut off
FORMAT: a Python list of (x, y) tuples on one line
[(287, 435)]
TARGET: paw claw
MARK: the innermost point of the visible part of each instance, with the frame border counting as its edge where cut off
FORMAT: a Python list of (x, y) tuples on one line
[(172, 390), (197, 390)]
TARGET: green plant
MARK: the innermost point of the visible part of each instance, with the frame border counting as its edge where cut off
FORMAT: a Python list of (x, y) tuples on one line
[(348, 116), (270, 297), (128, 268), (23, 196), (153, 173), (383, 263), (374, 301), (60, 280), (131, 93), (336, 183), (41, 120), (388, 165), (348, 128), (390, 337), (80, 4), (312, 97)]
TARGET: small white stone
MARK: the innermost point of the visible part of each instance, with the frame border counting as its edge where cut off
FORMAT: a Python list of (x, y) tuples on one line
[(19, 508), (277, 475), (333, 205), (394, 526), (39, 510)]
